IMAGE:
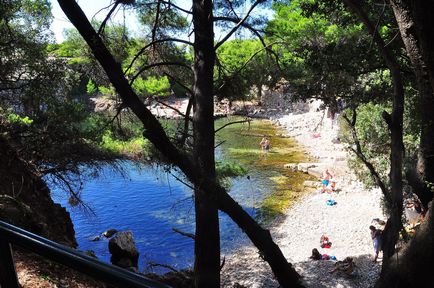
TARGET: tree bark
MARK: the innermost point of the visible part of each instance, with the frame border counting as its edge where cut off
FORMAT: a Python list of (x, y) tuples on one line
[(394, 224), (417, 39), (284, 273), (261, 238), (412, 267), (207, 241)]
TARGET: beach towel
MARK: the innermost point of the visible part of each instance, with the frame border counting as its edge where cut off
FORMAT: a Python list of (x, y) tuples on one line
[(331, 202)]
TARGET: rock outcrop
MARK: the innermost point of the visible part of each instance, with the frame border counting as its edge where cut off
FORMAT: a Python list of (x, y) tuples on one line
[(124, 251), (25, 200)]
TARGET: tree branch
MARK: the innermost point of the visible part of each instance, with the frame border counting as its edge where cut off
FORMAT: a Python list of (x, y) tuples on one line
[(254, 31), (170, 3), (101, 28), (359, 153), (238, 25), (186, 234), (151, 44), (155, 26), (156, 65), (171, 107), (232, 123), (253, 56)]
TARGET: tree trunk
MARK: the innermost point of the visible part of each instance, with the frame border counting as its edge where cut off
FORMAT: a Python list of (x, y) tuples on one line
[(394, 121), (418, 42), (284, 273), (412, 267), (207, 240), (261, 238)]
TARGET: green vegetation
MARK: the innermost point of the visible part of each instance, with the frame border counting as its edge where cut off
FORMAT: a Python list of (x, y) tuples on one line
[(132, 147), (288, 189), (374, 139)]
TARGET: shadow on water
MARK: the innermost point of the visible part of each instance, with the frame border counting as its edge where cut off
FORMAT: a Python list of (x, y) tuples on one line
[(150, 202)]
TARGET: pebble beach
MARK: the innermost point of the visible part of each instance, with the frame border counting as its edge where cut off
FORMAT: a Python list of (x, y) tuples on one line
[(346, 223)]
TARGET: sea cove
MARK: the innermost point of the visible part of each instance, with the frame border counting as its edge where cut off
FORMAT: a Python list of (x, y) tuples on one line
[(150, 201)]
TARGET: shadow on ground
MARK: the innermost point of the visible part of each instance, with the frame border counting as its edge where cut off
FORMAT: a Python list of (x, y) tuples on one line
[(316, 273)]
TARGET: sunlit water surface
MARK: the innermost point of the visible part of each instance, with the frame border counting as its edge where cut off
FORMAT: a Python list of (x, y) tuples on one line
[(151, 202)]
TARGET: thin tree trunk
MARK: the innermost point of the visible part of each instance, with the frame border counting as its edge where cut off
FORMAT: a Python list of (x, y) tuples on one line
[(394, 121), (284, 273)]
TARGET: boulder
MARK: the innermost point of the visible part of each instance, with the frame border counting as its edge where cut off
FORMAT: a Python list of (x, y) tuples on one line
[(109, 233), (123, 250), (304, 167), (96, 238)]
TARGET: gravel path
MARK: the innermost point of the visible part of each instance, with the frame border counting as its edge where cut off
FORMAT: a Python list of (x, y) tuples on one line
[(346, 224)]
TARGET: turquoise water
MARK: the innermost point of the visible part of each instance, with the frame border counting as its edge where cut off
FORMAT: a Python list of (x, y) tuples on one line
[(150, 202)]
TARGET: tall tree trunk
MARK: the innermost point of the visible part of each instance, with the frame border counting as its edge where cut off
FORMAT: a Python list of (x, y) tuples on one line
[(154, 132), (417, 38), (207, 240), (394, 121), (412, 267)]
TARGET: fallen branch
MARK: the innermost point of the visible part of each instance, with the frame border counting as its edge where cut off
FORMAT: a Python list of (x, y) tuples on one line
[(186, 234)]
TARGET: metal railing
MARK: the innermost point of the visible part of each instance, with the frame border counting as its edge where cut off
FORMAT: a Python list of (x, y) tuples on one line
[(12, 235)]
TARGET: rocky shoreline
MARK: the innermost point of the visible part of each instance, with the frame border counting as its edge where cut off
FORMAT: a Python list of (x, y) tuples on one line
[(346, 223), (299, 231)]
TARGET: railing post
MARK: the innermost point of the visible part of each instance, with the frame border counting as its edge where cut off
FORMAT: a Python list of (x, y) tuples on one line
[(8, 275)]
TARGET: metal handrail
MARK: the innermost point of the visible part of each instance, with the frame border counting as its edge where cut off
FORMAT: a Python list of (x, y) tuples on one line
[(10, 234)]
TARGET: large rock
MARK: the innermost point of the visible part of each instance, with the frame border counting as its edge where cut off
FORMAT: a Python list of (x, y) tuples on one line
[(109, 233), (123, 250), (26, 202)]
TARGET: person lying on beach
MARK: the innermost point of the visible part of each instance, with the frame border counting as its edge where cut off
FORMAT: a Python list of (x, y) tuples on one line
[(317, 256), (347, 266)]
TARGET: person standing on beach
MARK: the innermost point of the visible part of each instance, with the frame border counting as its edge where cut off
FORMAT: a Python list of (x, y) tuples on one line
[(326, 176), (376, 240)]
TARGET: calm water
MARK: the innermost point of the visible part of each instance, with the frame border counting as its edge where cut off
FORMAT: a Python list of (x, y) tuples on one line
[(150, 202)]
